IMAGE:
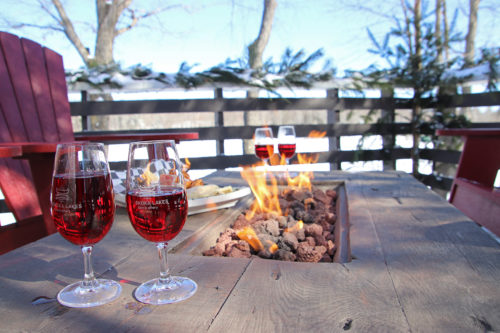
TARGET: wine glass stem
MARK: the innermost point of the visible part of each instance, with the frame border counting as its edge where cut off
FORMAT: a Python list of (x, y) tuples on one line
[(89, 280), (164, 271)]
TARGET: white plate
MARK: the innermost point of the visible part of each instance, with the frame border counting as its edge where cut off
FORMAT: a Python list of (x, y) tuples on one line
[(215, 202), (201, 205)]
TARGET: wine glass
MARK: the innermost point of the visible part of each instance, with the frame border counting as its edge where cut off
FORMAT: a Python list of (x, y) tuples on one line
[(157, 206), (83, 209), (264, 143), (286, 142)]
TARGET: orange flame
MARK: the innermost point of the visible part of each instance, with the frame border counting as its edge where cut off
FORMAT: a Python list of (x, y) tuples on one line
[(296, 227), (272, 247), (264, 184), (248, 234), (187, 164), (147, 177), (266, 197)]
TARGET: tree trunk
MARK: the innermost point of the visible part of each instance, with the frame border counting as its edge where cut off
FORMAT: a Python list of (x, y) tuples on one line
[(417, 68), (437, 32), (108, 14), (471, 33), (407, 27), (446, 32), (256, 49)]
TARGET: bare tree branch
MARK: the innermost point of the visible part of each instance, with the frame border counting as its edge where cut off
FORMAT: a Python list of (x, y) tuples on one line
[(407, 27), (136, 18), (70, 32), (46, 9), (37, 26)]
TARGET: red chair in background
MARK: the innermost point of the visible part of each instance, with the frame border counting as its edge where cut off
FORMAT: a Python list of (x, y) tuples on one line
[(473, 190), (34, 117)]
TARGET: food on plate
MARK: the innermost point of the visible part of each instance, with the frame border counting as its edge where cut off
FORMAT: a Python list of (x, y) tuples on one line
[(192, 183), (203, 191), (197, 189), (189, 182)]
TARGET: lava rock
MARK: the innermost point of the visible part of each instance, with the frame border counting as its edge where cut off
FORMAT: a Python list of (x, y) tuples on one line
[(326, 258), (307, 253), (270, 227), (241, 223), (321, 196), (331, 193), (310, 241), (330, 247), (282, 222), (331, 217), (239, 249), (320, 240), (291, 240), (313, 229), (284, 255)]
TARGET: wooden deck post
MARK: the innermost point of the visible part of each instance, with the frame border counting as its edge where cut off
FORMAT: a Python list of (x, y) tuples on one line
[(219, 122), (86, 124), (333, 117), (388, 141)]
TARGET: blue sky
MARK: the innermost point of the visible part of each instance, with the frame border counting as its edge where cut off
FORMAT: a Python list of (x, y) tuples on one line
[(212, 31)]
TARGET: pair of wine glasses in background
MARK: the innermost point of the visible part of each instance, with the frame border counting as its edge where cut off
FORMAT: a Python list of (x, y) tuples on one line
[(264, 143), (83, 209)]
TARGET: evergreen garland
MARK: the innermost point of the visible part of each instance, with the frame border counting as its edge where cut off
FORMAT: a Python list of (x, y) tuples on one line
[(292, 71)]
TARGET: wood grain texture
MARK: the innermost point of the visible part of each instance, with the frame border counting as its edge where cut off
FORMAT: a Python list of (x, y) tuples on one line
[(419, 266), (443, 266), (301, 297)]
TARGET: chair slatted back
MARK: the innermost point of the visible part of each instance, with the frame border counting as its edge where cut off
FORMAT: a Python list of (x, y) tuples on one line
[(34, 107)]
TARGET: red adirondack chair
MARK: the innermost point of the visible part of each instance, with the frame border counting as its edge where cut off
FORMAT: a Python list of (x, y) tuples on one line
[(473, 189), (34, 117)]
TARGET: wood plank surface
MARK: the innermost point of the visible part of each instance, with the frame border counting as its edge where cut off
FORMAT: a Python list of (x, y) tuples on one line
[(419, 265), (444, 268)]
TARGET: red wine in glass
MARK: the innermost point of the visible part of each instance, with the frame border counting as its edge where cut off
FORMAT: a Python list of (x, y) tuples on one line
[(87, 218), (264, 152), (157, 207), (286, 142), (83, 209), (160, 216), (287, 150), (264, 143)]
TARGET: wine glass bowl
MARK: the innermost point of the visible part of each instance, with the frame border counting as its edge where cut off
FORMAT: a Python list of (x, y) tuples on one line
[(83, 209), (264, 143), (286, 142), (157, 207)]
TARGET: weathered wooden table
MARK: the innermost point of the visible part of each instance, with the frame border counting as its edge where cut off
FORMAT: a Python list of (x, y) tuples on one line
[(420, 265)]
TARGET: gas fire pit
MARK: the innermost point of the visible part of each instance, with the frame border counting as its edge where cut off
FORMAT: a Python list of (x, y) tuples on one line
[(311, 226), (303, 232)]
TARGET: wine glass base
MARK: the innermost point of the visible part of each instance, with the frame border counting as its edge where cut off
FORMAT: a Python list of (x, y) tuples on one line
[(179, 289), (75, 296)]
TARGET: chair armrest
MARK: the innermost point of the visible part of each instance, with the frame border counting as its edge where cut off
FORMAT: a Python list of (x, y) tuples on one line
[(10, 151), (138, 136), (40, 157), (25, 148), (469, 132)]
